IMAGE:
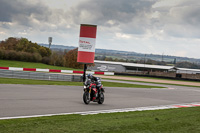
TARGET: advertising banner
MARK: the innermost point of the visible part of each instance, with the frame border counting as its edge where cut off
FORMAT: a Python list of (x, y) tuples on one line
[(87, 41)]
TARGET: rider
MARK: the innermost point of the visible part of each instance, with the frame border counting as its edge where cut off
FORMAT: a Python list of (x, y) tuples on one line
[(96, 80)]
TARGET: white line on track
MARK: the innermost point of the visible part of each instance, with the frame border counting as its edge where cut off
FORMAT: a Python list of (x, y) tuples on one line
[(113, 110)]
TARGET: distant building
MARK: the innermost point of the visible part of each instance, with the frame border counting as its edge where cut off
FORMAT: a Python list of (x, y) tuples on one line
[(111, 66), (188, 71)]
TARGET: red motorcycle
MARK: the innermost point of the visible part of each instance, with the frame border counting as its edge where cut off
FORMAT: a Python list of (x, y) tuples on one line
[(91, 93)]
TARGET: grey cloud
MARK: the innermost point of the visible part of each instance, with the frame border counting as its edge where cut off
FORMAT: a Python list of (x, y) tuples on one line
[(7, 9), (128, 16), (20, 11), (121, 11), (24, 14), (182, 21), (135, 16), (191, 15), (113, 16)]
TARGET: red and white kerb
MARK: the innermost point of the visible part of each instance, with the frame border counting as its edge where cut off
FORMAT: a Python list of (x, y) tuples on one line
[(87, 41)]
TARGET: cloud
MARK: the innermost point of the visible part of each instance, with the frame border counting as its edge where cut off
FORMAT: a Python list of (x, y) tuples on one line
[(34, 20), (180, 18), (21, 11), (119, 35), (127, 16), (111, 12), (151, 26)]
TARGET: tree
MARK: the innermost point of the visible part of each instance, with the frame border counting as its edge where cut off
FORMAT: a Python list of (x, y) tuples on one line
[(71, 59), (174, 61), (22, 45), (42, 51), (57, 59), (9, 44), (22, 49), (187, 65)]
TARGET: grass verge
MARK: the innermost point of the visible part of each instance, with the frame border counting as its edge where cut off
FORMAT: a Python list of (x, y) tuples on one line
[(150, 82), (180, 120), (45, 82), (164, 79), (21, 64)]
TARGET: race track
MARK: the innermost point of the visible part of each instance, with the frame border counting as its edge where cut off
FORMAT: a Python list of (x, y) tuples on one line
[(25, 100)]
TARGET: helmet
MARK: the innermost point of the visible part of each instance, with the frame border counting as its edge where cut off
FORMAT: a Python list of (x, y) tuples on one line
[(90, 76)]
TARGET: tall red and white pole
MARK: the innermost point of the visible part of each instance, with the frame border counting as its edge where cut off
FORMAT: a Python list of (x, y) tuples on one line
[(87, 42)]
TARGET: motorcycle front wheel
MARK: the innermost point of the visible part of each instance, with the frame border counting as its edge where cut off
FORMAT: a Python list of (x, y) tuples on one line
[(101, 98), (86, 98)]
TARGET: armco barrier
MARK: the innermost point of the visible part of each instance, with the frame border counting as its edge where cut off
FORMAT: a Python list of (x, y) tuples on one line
[(53, 70), (39, 76)]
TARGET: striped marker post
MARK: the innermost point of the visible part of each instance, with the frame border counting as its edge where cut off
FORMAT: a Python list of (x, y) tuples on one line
[(87, 41), (86, 49)]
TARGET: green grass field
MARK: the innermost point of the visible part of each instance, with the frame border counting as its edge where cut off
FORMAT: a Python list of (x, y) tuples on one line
[(8, 63), (182, 120), (47, 82)]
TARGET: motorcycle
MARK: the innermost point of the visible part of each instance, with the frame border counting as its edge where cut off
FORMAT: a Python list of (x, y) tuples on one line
[(91, 93)]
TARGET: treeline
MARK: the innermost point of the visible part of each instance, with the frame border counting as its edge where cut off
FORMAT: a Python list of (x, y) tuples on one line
[(21, 49), (188, 65), (20, 56), (24, 45), (140, 61)]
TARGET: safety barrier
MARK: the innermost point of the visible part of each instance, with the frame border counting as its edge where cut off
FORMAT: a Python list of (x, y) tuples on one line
[(39, 75), (54, 70)]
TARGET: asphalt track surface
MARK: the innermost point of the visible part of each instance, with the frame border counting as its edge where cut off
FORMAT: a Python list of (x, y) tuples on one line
[(26, 100)]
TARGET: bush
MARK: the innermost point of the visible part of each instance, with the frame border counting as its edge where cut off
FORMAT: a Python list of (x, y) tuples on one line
[(46, 60), (12, 55), (1, 54), (37, 57), (71, 59), (57, 59)]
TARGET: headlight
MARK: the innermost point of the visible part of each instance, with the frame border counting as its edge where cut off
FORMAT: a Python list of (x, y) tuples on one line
[(84, 87)]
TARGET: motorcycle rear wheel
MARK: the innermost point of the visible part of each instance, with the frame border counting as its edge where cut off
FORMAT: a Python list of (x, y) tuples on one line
[(86, 97), (101, 98)]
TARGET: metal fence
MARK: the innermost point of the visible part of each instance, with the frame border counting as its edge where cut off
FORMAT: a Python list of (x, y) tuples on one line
[(39, 76)]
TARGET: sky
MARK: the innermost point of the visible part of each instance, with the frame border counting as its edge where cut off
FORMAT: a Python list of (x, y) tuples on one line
[(169, 27)]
